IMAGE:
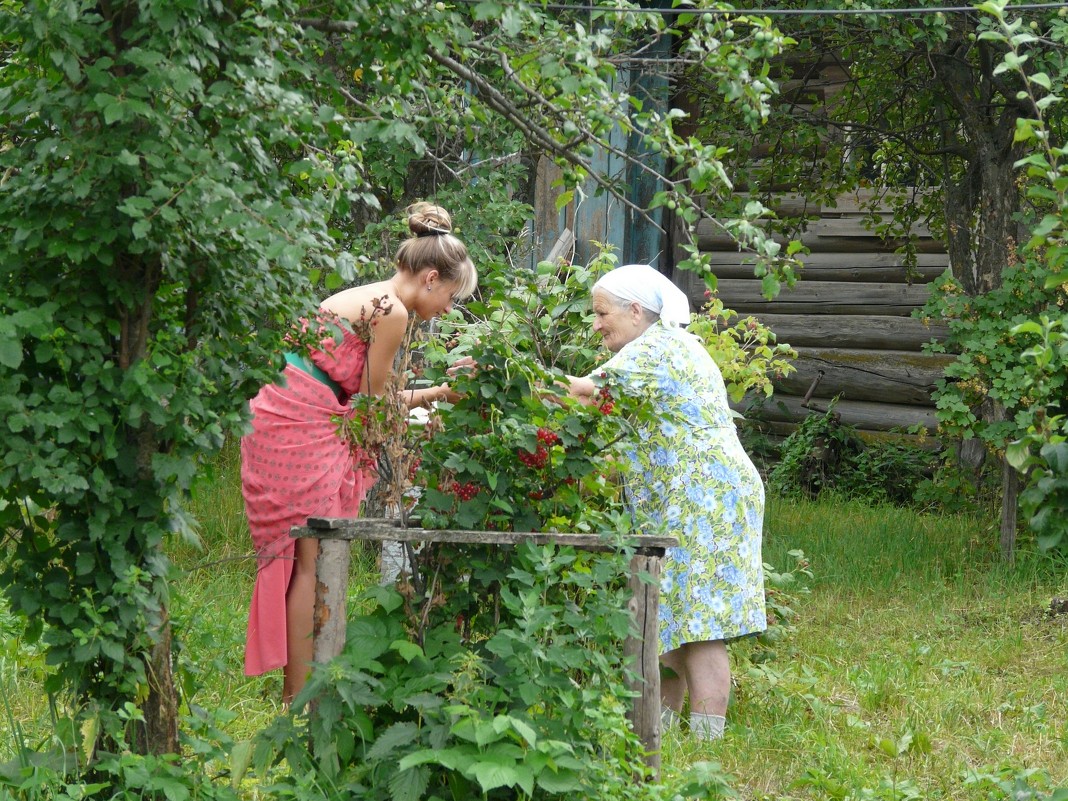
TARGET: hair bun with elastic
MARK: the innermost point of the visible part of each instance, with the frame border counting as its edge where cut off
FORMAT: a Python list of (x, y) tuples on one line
[(426, 219)]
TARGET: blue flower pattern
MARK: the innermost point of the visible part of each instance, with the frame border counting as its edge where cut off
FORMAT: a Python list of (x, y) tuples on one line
[(692, 476)]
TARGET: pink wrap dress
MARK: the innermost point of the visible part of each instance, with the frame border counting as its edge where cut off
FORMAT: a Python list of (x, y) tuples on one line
[(295, 465)]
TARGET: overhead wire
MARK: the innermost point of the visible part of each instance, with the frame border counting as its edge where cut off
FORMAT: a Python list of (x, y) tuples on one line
[(783, 12)]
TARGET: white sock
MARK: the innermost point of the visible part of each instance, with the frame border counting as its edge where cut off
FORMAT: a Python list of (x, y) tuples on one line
[(707, 727)]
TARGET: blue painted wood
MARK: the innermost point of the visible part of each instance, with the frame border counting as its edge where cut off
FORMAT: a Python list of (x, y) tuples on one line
[(599, 217), (646, 242)]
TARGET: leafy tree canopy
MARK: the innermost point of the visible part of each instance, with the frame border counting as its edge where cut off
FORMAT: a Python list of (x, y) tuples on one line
[(180, 176)]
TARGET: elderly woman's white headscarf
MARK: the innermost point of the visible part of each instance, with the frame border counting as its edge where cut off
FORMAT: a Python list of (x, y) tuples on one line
[(651, 289)]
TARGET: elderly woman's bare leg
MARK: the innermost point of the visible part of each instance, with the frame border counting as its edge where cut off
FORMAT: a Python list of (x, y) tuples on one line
[(708, 676), (673, 681)]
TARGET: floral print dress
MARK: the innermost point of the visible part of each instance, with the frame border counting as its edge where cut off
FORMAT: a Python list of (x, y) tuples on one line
[(689, 477)]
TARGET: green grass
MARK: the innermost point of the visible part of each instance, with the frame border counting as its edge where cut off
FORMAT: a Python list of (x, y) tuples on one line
[(917, 658)]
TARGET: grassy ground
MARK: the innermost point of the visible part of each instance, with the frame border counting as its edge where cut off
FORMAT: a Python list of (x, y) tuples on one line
[(919, 661), (919, 664)]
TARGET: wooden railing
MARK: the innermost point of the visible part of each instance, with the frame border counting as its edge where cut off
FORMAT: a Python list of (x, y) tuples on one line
[(335, 537)]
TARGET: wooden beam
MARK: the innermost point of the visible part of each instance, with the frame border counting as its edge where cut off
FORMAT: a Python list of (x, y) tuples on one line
[(643, 648), (873, 332), (868, 415), (378, 529), (782, 430), (819, 297), (866, 375), (843, 235)]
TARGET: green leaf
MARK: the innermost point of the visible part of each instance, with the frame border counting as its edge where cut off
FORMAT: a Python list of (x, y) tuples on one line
[(409, 785), (1018, 454), (1053, 281), (397, 735), (561, 781), (240, 759), (407, 650), (10, 352), (493, 774)]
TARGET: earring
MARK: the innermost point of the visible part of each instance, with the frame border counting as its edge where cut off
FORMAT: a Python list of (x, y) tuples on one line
[(429, 288)]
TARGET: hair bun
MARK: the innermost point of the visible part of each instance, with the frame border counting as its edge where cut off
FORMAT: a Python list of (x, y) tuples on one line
[(426, 219)]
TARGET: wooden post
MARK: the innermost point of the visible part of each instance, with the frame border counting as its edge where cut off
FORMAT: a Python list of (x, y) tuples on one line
[(331, 586), (644, 647)]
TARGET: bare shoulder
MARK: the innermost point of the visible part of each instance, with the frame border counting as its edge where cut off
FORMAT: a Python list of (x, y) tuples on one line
[(366, 302)]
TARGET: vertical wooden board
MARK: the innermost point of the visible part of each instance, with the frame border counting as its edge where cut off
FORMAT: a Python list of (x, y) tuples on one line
[(549, 222), (645, 239), (601, 218), (331, 585)]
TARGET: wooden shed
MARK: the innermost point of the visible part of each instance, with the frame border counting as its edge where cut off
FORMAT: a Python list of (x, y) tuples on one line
[(849, 315), (848, 318)]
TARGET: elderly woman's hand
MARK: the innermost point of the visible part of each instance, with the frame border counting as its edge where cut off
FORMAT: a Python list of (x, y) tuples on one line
[(582, 389), (464, 363)]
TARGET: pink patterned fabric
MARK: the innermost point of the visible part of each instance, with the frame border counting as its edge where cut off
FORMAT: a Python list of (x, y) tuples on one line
[(295, 465)]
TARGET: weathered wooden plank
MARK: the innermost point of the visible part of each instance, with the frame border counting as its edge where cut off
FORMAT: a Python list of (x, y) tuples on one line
[(780, 431), (860, 201), (868, 415), (864, 267), (858, 270), (821, 297), (379, 529), (786, 204), (710, 237), (859, 225), (644, 649), (550, 223), (837, 259), (874, 332), (866, 375)]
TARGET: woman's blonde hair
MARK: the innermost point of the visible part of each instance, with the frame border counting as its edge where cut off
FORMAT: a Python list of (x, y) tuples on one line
[(432, 246)]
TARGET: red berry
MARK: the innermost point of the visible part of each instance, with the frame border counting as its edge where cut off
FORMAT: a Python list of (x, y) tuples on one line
[(550, 438), (606, 407)]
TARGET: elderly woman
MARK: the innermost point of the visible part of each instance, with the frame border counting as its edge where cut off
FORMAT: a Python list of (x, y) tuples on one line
[(687, 476)]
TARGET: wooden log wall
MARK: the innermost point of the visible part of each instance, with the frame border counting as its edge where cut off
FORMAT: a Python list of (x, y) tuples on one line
[(848, 317)]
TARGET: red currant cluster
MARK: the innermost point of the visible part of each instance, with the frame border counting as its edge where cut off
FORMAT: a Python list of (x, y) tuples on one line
[(465, 492), (537, 495), (536, 460), (413, 468), (549, 438), (607, 404)]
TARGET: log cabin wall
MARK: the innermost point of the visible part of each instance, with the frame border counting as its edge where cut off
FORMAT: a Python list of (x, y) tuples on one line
[(848, 318)]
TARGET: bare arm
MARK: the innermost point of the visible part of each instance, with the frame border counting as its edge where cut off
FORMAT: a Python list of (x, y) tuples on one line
[(582, 389)]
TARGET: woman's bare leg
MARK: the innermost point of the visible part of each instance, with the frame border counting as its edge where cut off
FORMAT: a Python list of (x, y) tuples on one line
[(300, 605), (708, 676), (673, 688)]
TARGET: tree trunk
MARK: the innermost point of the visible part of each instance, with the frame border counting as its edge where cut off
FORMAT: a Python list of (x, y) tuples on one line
[(160, 732), (980, 209)]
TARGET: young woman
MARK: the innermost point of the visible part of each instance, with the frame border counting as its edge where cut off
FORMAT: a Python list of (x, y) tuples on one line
[(295, 464)]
